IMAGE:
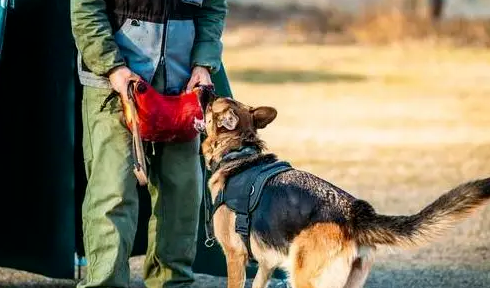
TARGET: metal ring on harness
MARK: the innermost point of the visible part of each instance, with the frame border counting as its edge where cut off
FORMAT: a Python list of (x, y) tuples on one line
[(209, 242)]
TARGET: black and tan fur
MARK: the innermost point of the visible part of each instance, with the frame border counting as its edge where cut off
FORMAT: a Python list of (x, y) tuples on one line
[(321, 235)]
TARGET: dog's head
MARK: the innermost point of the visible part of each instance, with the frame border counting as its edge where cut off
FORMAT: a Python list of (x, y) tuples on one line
[(230, 125), (230, 117)]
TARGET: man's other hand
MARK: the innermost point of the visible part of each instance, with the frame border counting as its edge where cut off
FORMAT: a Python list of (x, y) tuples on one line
[(200, 76)]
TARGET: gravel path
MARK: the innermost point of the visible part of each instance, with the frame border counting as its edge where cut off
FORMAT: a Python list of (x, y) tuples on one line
[(432, 277)]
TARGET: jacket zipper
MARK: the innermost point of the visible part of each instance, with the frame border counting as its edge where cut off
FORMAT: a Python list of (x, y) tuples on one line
[(164, 45), (162, 56)]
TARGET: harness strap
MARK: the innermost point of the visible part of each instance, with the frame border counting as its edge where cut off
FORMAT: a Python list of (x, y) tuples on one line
[(209, 210), (242, 227), (242, 223), (245, 196)]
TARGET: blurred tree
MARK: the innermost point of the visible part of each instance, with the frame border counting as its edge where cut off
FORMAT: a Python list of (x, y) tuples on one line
[(437, 7), (425, 8)]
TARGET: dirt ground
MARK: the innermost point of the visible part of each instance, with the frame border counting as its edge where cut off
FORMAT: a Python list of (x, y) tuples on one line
[(396, 126)]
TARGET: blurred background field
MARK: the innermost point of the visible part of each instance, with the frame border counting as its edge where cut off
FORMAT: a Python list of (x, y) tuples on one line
[(458, 22), (384, 99)]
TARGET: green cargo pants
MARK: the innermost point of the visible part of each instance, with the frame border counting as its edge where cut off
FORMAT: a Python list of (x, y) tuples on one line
[(110, 207)]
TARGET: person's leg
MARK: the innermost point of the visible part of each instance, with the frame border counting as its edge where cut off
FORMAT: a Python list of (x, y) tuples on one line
[(110, 206), (176, 191)]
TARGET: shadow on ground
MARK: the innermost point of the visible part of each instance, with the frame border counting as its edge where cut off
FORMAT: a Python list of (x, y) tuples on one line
[(258, 76), (430, 277)]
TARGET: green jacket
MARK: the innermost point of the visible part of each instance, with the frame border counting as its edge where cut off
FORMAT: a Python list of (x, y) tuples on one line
[(143, 34)]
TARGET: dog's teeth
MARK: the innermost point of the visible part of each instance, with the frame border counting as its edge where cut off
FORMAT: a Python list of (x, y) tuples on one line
[(199, 125)]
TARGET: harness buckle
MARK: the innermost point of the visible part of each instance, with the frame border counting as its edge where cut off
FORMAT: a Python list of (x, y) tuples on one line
[(209, 242), (242, 224), (252, 191)]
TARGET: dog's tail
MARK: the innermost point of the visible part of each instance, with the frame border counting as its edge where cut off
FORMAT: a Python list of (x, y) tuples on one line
[(372, 229)]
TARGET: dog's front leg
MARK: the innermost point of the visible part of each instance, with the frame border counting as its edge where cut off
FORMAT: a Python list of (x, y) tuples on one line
[(233, 246), (235, 264), (262, 277)]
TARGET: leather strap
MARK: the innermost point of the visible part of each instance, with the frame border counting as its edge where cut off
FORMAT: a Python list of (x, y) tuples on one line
[(139, 164)]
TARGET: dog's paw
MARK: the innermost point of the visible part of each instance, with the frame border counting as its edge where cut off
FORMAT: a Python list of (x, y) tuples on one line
[(280, 284)]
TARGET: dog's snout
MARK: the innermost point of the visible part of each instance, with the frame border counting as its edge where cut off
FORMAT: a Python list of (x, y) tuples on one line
[(207, 95), (141, 88)]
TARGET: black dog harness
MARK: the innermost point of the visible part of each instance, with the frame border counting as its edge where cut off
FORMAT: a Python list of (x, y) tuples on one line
[(242, 193)]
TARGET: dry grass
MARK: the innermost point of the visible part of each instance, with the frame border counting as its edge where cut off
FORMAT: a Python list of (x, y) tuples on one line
[(385, 23), (388, 26)]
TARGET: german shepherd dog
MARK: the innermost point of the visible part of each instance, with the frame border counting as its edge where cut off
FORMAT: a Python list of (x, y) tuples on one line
[(319, 234)]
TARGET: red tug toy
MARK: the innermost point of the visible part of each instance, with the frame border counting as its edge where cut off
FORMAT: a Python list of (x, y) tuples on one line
[(153, 117)]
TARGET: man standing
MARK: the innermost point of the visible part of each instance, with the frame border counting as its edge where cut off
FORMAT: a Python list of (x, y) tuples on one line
[(174, 45)]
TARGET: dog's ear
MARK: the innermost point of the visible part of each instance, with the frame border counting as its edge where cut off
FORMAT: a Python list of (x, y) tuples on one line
[(228, 119), (262, 116)]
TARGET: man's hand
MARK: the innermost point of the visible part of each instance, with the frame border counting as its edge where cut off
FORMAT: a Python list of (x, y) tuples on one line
[(200, 76), (120, 77)]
